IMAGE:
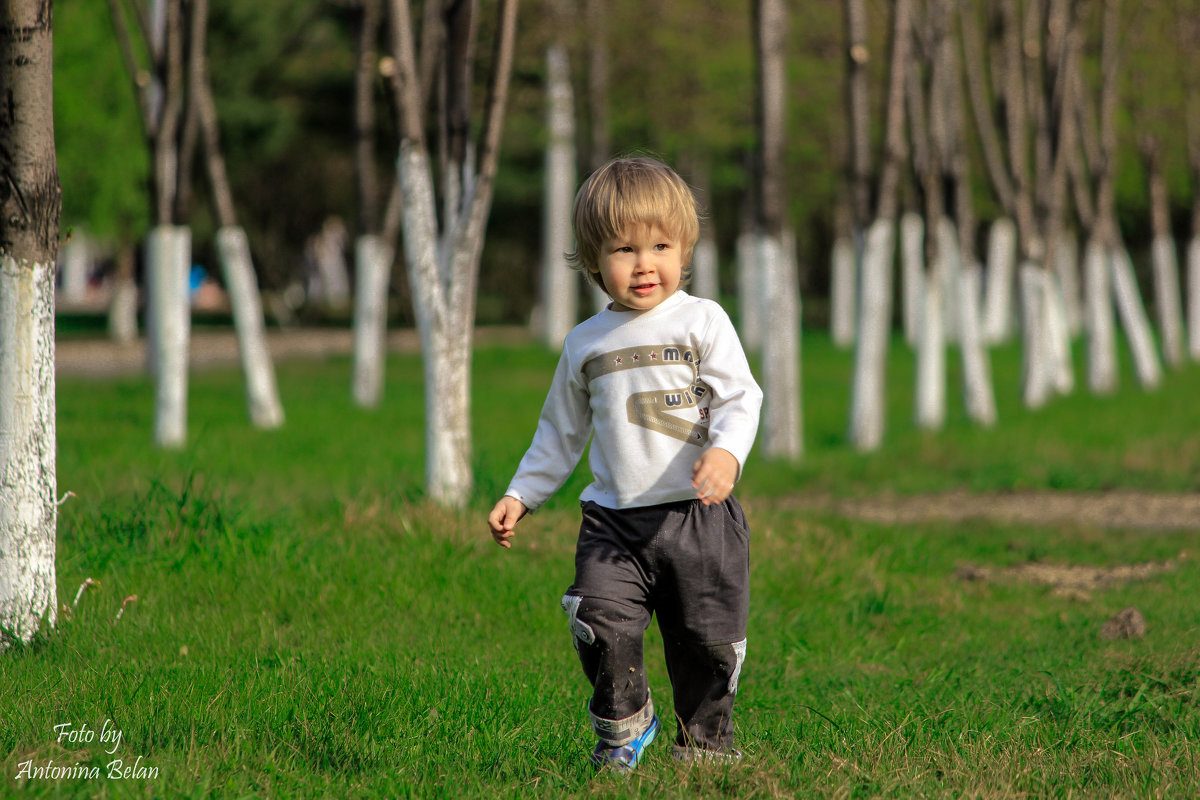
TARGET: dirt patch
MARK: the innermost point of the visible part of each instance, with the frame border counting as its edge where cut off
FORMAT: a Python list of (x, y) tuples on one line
[(1069, 577), (1120, 509)]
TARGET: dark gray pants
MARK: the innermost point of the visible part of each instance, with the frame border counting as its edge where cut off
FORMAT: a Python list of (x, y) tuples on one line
[(689, 564)]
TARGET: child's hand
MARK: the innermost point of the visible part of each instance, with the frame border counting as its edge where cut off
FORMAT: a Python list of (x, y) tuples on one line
[(713, 475), (504, 518)]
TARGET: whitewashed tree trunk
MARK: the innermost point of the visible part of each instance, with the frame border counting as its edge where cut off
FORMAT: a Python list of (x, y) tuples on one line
[(262, 396), (1193, 304), (76, 264), (122, 310), (169, 329), (998, 295), (1165, 263), (1058, 335), (1133, 319), (1035, 390), (28, 483), (331, 263), (868, 392), (560, 285), (1066, 272), (1098, 319), (705, 273), (750, 293), (951, 272), (930, 407), (842, 299), (445, 332), (979, 394), (912, 262), (780, 438), (373, 269)]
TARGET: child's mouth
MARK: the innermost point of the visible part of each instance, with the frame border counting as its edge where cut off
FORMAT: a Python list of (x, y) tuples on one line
[(645, 289)]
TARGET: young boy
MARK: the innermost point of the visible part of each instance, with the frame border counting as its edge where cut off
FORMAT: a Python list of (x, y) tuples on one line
[(660, 383)]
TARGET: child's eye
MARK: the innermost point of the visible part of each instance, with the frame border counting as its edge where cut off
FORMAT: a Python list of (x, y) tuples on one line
[(662, 246)]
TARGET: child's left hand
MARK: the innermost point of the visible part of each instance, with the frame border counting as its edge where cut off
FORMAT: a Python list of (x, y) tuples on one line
[(714, 475)]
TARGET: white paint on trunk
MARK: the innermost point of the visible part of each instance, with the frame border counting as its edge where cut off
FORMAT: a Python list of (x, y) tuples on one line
[(76, 266), (169, 329), (1098, 319), (1193, 303), (842, 299), (1066, 271), (445, 329), (373, 267), (867, 401), (1134, 321), (28, 483), (704, 267), (750, 292), (262, 396), (998, 294), (1167, 298), (560, 284), (1058, 335), (947, 233), (781, 437), (1035, 390), (979, 395), (122, 311), (930, 407), (912, 264)]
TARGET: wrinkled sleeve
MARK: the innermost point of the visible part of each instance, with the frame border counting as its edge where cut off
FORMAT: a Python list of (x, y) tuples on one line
[(736, 398), (558, 443)]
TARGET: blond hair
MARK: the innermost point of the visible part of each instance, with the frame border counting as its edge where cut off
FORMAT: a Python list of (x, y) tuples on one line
[(629, 192)]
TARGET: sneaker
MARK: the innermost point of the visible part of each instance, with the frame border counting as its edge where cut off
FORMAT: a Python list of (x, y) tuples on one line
[(691, 755), (625, 757)]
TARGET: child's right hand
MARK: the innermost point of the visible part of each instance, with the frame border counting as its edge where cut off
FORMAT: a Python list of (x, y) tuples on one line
[(504, 518)]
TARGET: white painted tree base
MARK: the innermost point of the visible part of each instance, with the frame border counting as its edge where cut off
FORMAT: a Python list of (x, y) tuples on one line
[(912, 266), (262, 396), (1099, 325), (169, 251), (868, 390), (373, 266), (1132, 313), (1193, 302), (843, 296), (28, 482), (1167, 298), (998, 291)]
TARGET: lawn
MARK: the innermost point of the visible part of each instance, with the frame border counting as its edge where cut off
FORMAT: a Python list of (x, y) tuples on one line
[(281, 614)]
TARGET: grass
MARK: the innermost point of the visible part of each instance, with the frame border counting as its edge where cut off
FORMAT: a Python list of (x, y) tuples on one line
[(307, 626)]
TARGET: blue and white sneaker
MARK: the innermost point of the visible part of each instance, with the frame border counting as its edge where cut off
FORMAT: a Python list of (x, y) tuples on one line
[(625, 757)]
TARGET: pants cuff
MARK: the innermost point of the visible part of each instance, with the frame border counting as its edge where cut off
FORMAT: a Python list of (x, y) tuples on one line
[(616, 732)]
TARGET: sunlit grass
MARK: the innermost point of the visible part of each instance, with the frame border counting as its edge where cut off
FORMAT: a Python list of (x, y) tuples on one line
[(307, 626)]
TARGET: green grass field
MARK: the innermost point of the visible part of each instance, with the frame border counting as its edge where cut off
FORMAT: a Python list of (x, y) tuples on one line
[(305, 625)]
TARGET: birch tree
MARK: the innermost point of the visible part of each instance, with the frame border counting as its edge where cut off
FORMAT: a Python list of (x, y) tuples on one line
[(30, 207), (867, 404), (1188, 28), (781, 434), (443, 255)]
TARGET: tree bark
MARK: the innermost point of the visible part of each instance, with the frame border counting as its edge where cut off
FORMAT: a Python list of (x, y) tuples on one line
[(781, 435), (1163, 258), (233, 247), (443, 269), (30, 208), (169, 249), (1001, 259), (560, 285), (912, 265)]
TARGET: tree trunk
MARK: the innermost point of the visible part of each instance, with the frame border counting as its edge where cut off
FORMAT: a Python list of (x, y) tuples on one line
[(373, 268), (169, 326), (1193, 303), (560, 285), (1164, 260), (1133, 319), (1066, 270), (867, 412), (122, 309), (998, 296), (751, 294), (443, 270), (781, 391), (1035, 389), (1099, 323), (262, 397), (912, 260), (930, 407), (30, 208), (842, 298), (704, 265), (978, 393), (76, 263)]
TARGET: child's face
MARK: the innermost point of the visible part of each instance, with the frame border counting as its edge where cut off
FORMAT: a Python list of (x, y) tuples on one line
[(640, 268)]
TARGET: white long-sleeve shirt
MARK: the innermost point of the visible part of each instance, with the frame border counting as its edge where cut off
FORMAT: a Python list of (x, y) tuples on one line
[(655, 388)]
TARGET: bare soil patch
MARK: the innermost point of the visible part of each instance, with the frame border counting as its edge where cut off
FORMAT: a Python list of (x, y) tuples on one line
[(1118, 509)]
